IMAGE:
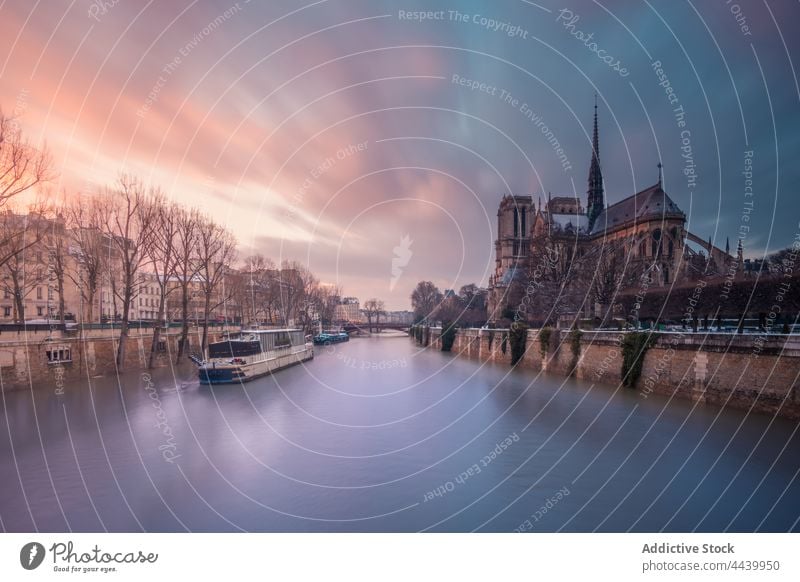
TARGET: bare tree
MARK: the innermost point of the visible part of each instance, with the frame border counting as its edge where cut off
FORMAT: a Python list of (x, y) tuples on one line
[(129, 217), (22, 166), (216, 251), (373, 308), (23, 265), (424, 299), (450, 310), (272, 294), (551, 280), (473, 300), (186, 267), (163, 256), (57, 244), (609, 261), (256, 294), (295, 285), (89, 250), (327, 298), (289, 283), (238, 306), (381, 310), (308, 290)]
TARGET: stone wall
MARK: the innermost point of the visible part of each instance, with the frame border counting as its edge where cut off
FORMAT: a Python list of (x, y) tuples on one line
[(739, 370), (24, 361)]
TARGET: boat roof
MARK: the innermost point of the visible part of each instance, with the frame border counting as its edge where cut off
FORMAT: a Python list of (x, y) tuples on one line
[(269, 330)]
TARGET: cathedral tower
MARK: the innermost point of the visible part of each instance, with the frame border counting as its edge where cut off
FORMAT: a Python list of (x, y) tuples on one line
[(595, 202)]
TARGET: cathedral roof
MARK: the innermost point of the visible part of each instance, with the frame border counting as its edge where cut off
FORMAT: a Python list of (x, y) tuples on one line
[(649, 204), (565, 200)]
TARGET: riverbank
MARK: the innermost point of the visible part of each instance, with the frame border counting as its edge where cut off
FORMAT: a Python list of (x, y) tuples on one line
[(55, 359), (754, 372)]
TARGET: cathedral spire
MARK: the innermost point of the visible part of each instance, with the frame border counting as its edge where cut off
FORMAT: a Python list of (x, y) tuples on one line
[(595, 192)]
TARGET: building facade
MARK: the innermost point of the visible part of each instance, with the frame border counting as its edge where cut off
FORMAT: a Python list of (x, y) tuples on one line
[(39, 250), (348, 310)]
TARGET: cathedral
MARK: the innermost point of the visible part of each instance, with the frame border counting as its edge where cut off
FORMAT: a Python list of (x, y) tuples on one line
[(643, 235)]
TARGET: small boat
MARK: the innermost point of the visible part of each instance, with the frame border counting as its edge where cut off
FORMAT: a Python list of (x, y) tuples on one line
[(253, 353), (331, 337)]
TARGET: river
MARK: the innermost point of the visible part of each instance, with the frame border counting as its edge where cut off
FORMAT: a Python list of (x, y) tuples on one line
[(379, 435)]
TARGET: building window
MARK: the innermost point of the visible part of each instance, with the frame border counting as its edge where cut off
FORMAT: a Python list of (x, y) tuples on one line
[(6, 294), (38, 293), (50, 293), (516, 223), (666, 275), (656, 242), (59, 355), (40, 311), (6, 312)]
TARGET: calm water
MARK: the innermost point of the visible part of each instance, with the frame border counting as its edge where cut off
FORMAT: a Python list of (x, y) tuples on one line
[(361, 437)]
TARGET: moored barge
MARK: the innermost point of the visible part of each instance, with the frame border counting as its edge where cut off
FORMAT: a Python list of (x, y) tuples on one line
[(331, 337), (251, 354)]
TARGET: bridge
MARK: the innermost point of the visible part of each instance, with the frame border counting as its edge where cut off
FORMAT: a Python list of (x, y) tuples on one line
[(351, 327)]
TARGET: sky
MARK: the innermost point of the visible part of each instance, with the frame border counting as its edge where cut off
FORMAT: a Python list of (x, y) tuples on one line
[(373, 143)]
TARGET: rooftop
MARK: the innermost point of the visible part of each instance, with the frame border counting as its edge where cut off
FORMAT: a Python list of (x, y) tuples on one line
[(649, 204)]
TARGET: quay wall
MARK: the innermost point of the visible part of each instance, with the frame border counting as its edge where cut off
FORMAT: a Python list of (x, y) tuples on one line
[(755, 372), (24, 361)]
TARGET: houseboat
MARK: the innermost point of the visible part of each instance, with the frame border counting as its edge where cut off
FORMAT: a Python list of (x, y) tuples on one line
[(250, 354), (331, 337)]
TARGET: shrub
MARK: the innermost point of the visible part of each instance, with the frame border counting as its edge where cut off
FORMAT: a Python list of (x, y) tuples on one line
[(575, 347), (448, 335), (544, 340), (634, 348), (518, 337)]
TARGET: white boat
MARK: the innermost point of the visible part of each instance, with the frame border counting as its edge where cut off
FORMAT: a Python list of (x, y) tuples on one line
[(253, 353)]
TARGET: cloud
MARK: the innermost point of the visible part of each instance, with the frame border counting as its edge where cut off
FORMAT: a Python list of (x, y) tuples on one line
[(245, 126)]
